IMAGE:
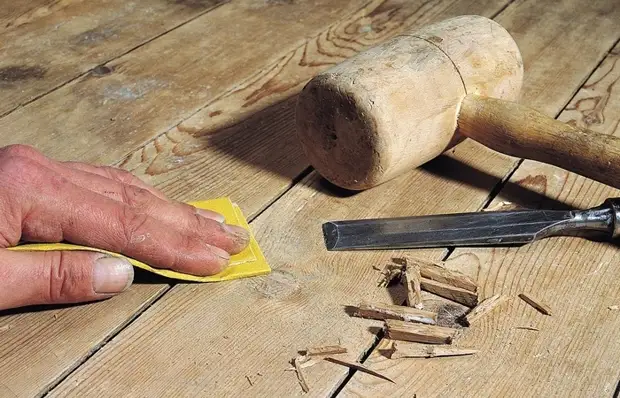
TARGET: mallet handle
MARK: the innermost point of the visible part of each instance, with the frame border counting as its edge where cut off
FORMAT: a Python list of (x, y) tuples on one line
[(519, 131)]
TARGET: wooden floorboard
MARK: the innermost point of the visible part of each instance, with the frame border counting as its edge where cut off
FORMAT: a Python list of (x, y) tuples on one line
[(12, 13), (52, 43), (574, 352), (39, 347), (202, 339), (253, 158)]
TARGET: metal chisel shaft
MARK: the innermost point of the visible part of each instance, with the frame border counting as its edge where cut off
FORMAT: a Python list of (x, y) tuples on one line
[(471, 229)]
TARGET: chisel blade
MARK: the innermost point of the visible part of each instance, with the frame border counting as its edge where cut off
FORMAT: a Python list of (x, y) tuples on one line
[(468, 229)]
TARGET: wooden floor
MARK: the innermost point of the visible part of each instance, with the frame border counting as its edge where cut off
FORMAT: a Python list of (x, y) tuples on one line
[(197, 97)]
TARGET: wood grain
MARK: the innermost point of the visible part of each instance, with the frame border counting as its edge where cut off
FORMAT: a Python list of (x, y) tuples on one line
[(47, 44), (74, 123), (574, 353), (210, 330), (12, 11), (37, 348)]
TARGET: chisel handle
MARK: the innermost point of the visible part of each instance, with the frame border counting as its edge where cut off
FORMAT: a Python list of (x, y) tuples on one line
[(519, 131)]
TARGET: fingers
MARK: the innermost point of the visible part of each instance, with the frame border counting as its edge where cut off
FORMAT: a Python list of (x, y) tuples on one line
[(109, 181), (125, 187), (173, 213), (36, 278), (60, 210), (51, 209), (184, 218), (148, 228)]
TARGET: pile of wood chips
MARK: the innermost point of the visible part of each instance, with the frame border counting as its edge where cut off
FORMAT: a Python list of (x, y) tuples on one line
[(411, 323)]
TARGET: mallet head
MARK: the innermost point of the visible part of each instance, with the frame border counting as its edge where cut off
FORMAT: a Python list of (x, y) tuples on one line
[(394, 107)]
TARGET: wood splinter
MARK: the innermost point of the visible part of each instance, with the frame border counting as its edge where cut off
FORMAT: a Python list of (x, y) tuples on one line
[(389, 273), (325, 350), (503, 206), (407, 350), (537, 304), (484, 308), (300, 376), (533, 328), (358, 366), (439, 273), (411, 279), (429, 334), (398, 312), (456, 294)]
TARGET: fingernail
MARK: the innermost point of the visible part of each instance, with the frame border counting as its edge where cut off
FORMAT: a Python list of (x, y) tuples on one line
[(211, 215), (112, 275), (240, 234), (221, 253)]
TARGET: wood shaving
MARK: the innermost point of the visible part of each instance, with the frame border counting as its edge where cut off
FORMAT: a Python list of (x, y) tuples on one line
[(411, 279), (389, 273), (325, 350), (300, 376), (535, 303), (484, 308), (503, 206), (391, 311), (414, 350), (450, 292), (418, 333), (358, 366), (535, 329)]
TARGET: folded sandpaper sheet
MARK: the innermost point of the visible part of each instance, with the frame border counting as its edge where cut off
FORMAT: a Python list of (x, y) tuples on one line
[(248, 263)]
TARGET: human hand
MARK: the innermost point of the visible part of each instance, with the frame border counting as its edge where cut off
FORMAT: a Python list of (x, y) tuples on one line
[(43, 200)]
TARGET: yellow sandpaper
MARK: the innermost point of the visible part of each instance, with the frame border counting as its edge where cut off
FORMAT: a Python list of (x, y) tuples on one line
[(248, 263)]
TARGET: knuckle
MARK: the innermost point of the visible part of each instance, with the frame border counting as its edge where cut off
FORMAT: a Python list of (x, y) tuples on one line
[(21, 150), (136, 197), (120, 175), (21, 177), (20, 167), (65, 281), (134, 227)]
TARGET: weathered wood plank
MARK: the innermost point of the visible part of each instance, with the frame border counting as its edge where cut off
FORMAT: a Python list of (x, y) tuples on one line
[(11, 11), (574, 352), (160, 84), (46, 44), (35, 347), (217, 334), (216, 171)]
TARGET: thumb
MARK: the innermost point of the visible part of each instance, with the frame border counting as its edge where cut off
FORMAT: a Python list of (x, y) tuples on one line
[(57, 277)]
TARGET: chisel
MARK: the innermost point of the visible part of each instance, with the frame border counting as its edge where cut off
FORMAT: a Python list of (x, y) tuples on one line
[(492, 228)]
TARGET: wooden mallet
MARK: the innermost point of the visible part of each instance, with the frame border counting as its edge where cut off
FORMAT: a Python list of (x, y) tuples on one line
[(400, 104)]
